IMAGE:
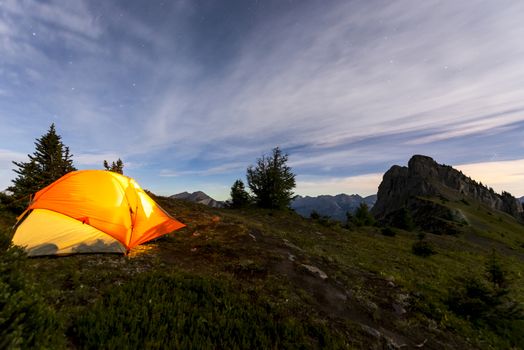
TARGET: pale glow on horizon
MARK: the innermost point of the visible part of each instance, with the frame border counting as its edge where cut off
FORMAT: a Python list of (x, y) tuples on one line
[(501, 175), (363, 185)]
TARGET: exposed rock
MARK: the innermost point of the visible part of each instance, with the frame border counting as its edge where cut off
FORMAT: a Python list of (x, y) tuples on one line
[(316, 271), (198, 197), (407, 187), (387, 342), (371, 331), (291, 245), (399, 309)]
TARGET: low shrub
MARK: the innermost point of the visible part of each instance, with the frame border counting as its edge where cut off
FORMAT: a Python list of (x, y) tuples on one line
[(157, 311), (388, 231), (323, 220), (314, 215), (403, 219), (362, 216), (26, 322), (423, 248), (485, 301)]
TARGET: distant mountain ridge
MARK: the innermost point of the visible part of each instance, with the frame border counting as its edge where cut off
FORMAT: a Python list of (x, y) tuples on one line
[(199, 197), (335, 207), (416, 187)]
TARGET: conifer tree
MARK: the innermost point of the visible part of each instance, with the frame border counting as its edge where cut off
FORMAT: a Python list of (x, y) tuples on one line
[(362, 216), (117, 167), (50, 161), (239, 197), (272, 181), (403, 220)]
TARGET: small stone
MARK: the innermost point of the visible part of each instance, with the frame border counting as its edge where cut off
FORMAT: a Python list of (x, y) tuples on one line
[(392, 345), (390, 278), (291, 245), (403, 299), (291, 257), (399, 310), (316, 271), (372, 331)]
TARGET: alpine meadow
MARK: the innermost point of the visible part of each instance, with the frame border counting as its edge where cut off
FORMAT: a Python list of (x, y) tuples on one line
[(261, 174)]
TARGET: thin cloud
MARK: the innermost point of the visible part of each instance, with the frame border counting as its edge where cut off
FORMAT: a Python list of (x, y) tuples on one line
[(350, 87), (6, 166), (314, 95), (97, 159), (222, 169)]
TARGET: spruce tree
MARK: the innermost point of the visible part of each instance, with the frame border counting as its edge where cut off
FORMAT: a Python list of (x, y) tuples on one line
[(272, 181), (362, 216), (239, 197), (403, 220), (117, 167), (50, 161)]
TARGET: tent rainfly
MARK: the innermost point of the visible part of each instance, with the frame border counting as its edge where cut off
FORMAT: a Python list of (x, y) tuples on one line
[(91, 211)]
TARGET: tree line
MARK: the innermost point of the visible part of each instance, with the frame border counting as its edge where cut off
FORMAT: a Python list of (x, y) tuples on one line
[(270, 180), (50, 161)]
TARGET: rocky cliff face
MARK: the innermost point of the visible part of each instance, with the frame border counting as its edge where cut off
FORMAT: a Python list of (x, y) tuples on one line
[(423, 177)]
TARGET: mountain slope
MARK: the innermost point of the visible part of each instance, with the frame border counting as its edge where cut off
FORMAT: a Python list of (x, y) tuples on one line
[(424, 187), (335, 207), (352, 289), (198, 197)]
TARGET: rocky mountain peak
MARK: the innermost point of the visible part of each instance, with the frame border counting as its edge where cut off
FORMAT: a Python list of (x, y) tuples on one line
[(198, 197), (423, 177)]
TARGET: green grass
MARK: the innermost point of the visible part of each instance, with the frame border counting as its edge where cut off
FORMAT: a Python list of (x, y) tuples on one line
[(158, 311), (428, 280), (253, 262)]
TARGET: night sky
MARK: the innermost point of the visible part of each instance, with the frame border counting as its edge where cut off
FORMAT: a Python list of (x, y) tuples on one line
[(190, 93)]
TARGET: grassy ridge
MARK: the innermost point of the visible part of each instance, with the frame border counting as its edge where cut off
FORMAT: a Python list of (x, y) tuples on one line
[(252, 272)]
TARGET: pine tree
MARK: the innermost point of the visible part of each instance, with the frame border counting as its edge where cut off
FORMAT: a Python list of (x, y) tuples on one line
[(495, 272), (362, 216), (50, 161), (272, 181), (239, 197), (117, 167), (404, 220)]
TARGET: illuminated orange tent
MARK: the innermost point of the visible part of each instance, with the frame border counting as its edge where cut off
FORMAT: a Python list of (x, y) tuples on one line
[(91, 211)]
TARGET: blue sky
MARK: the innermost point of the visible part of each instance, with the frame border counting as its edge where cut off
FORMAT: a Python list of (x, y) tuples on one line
[(190, 93)]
